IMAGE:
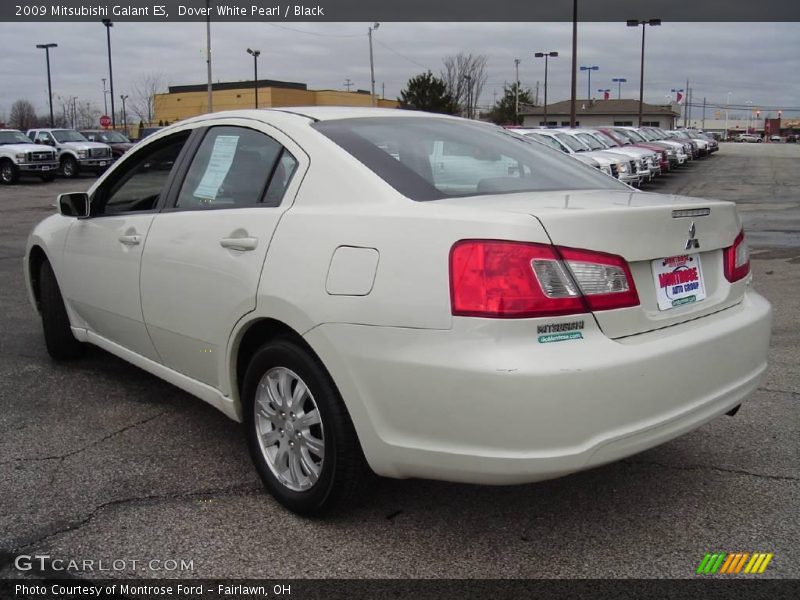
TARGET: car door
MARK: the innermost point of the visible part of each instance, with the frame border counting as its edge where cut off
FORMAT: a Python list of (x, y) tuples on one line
[(102, 254), (205, 251)]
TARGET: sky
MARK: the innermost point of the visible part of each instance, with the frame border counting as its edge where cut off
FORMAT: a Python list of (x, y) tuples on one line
[(755, 62)]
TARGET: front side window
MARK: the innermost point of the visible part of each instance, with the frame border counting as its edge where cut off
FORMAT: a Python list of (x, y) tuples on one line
[(142, 179), (232, 169), (436, 158)]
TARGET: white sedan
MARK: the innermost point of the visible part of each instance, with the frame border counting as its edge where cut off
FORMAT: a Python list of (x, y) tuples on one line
[(336, 280)]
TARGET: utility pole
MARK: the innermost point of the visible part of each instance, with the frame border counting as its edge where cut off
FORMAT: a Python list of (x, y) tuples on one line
[(686, 106), (703, 125), (372, 62), (383, 90), (348, 84)]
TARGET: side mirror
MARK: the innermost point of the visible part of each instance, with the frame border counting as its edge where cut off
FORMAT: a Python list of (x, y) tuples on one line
[(48, 142), (75, 204)]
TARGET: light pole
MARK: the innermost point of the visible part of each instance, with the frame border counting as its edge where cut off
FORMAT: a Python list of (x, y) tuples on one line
[(589, 86), (208, 56), (546, 56), (124, 119), (619, 81), (74, 100), (605, 92), (46, 48), (574, 76), (109, 25), (372, 63), (105, 97), (644, 24), (255, 54)]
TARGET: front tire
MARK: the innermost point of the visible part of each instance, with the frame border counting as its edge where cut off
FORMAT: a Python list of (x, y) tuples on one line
[(9, 174), (299, 432), (69, 167), (61, 344)]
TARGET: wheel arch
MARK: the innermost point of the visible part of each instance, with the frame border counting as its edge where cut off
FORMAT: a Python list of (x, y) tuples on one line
[(36, 258)]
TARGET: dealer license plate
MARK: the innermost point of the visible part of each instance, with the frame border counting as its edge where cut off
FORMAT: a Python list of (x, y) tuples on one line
[(45, 168), (102, 163), (679, 280)]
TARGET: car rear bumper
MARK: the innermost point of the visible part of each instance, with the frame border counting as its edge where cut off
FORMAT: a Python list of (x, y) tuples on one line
[(489, 402)]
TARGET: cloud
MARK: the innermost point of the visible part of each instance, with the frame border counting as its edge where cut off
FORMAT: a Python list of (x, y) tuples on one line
[(757, 62)]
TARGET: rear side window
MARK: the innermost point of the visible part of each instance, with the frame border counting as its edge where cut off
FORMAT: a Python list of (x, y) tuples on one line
[(233, 168), (435, 158)]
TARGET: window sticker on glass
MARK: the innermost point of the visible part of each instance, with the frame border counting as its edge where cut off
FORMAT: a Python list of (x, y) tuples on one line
[(218, 166)]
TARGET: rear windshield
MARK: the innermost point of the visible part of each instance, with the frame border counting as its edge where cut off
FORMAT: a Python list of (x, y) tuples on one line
[(430, 159)]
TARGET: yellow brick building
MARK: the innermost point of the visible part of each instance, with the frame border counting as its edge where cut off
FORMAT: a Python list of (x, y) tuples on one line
[(184, 101)]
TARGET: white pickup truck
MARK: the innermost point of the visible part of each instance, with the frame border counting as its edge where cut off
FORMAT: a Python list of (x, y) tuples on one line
[(75, 152), (20, 156)]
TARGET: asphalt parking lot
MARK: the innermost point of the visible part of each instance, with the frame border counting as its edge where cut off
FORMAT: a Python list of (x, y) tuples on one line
[(100, 460)]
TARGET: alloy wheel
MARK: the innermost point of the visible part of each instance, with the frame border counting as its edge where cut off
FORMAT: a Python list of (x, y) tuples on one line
[(289, 429)]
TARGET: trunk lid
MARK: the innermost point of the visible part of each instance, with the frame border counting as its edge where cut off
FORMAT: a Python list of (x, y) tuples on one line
[(646, 230)]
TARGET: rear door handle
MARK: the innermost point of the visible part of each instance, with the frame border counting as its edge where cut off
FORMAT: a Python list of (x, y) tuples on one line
[(131, 240), (239, 243)]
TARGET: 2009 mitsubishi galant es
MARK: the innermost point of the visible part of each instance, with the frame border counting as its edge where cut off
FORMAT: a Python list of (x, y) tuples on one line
[(425, 295)]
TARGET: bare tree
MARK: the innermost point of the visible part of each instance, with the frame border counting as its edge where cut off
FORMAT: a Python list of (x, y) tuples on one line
[(23, 115), (465, 75), (142, 101), (87, 115)]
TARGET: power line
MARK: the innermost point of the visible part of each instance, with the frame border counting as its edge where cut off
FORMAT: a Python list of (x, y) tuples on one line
[(411, 60), (332, 35)]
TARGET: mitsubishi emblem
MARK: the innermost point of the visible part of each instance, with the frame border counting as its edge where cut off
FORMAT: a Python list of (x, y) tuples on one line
[(692, 242)]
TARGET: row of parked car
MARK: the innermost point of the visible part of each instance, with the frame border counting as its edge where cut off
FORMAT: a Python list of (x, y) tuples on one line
[(634, 155), (45, 153)]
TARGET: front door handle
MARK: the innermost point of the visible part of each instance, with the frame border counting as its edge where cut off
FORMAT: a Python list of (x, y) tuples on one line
[(239, 243), (131, 240)]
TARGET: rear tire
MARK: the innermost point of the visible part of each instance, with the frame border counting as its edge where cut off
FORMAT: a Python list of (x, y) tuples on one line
[(61, 344), (299, 432), (69, 167), (9, 174)]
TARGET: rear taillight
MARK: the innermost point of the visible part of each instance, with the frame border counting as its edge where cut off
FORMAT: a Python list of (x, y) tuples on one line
[(500, 279), (737, 259)]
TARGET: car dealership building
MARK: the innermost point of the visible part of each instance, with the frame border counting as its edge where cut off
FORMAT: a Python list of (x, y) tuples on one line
[(184, 101), (594, 113)]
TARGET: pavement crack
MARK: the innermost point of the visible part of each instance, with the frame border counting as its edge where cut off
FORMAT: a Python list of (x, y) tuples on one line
[(653, 463), (774, 391), (62, 457), (234, 490)]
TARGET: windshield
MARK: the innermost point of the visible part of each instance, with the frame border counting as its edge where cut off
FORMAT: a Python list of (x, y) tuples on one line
[(13, 137), (570, 142), (112, 137), (547, 140), (67, 135), (605, 138), (648, 135), (630, 135), (590, 141), (429, 158)]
